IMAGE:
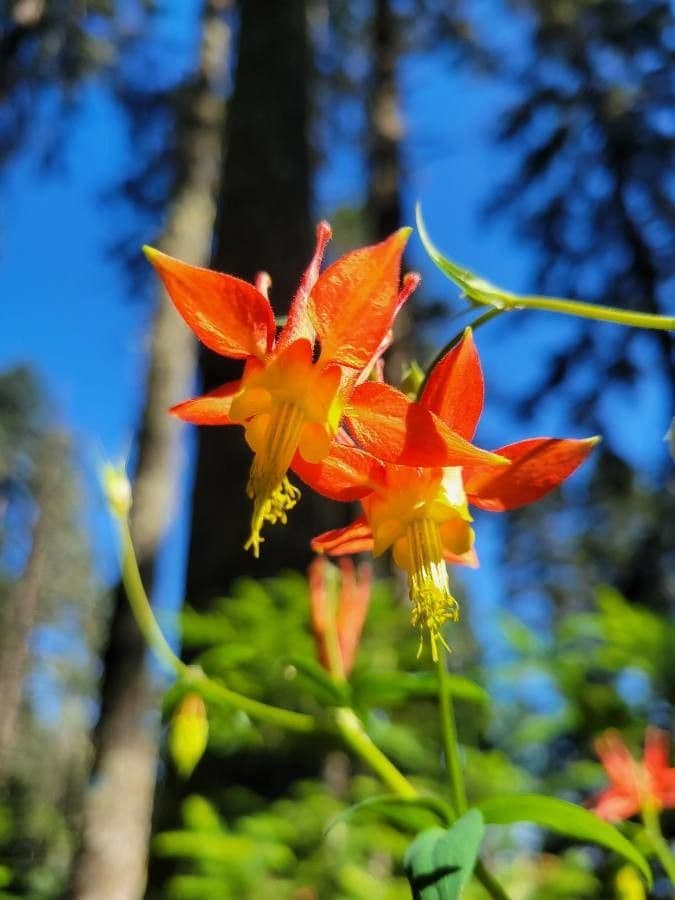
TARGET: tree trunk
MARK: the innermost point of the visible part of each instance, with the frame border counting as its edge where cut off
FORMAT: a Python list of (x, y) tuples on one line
[(385, 126), (21, 613), (263, 222), (112, 863)]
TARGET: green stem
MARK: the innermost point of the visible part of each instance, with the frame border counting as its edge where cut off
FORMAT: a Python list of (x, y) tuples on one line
[(154, 637), (489, 882), (578, 308), (478, 290), (446, 348), (650, 817), (450, 742), (355, 736)]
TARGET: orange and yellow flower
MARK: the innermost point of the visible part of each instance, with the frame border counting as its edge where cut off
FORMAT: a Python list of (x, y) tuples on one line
[(345, 618), (423, 512), (634, 784), (298, 385)]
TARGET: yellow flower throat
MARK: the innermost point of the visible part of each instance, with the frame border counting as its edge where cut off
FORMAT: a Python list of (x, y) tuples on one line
[(428, 583), (268, 486)]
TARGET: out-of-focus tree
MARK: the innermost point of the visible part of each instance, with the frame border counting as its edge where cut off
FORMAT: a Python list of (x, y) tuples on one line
[(51, 611), (264, 223), (112, 862), (592, 134), (48, 49)]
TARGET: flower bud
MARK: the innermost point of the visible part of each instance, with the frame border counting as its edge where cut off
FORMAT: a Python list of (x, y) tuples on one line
[(188, 733)]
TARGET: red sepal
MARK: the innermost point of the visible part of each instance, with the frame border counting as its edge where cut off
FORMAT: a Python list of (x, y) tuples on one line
[(538, 465)]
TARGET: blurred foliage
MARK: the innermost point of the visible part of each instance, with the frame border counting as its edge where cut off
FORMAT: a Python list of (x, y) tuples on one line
[(244, 835)]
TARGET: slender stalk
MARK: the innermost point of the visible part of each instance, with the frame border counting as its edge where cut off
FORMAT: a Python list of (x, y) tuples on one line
[(650, 817), (489, 882), (446, 348), (354, 735), (578, 308), (478, 290), (154, 637), (450, 742)]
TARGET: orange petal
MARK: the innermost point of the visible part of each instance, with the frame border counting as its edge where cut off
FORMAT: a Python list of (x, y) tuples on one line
[(657, 744), (395, 429), (354, 302), (209, 409), (347, 473), (470, 558), (454, 390), (354, 538), (613, 805), (538, 465), (227, 314), (298, 323)]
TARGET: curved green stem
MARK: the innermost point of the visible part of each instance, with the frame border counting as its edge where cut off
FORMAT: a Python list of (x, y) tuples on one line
[(479, 290), (355, 736), (450, 742), (578, 308), (480, 320), (650, 817), (154, 637)]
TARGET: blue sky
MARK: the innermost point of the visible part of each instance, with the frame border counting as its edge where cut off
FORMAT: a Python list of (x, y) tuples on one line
[(66, 307)]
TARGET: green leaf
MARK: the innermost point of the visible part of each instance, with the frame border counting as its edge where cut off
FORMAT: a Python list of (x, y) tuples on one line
[(386, 801), (439, 863), (564, 818)]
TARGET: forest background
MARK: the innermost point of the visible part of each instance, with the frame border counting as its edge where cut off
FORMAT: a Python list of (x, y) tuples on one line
[(539, 138)]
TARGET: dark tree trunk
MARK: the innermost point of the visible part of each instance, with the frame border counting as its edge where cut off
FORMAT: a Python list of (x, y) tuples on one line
[(112, 863), (385, 126), (264, 222)]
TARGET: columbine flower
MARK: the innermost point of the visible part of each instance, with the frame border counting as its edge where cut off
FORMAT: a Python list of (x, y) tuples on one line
[(634, 784), (348, 614), (422, 513), (291, 396)]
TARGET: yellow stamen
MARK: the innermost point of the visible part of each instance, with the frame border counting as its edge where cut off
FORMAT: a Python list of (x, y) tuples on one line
[(428, 582), (268, 486)]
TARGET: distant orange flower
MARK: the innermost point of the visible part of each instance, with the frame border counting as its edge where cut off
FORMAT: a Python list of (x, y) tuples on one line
[(423, 513), (298, 385), (634, 784), (350, 611)]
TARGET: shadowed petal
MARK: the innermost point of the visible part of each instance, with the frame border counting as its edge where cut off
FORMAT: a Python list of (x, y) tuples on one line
[(395, 429), (454, 390), (227, 314), (538, 465), (354, 538), (347, 473)]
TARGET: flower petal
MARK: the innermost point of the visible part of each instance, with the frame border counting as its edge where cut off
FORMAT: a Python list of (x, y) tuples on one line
[(454, 390), (657, 745), (614, 806), (354, 538), (227, 314), (298, 323), (354, 302), (209, 409), (538, 465), (395, 429), (347, 473)]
